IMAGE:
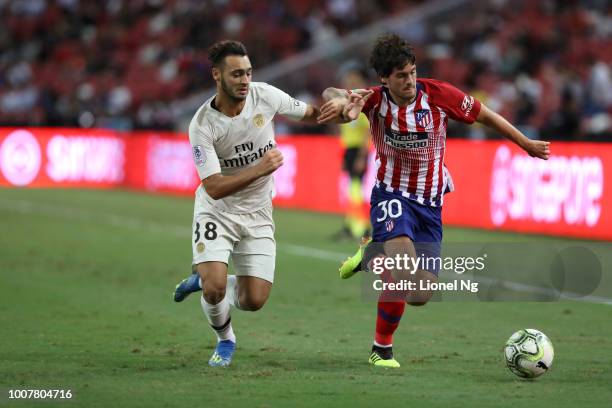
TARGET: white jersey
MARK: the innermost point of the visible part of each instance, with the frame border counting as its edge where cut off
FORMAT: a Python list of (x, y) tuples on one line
[(226, 145)]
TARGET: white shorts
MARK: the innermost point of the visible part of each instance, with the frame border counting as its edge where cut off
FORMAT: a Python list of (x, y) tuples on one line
[(247, 238)]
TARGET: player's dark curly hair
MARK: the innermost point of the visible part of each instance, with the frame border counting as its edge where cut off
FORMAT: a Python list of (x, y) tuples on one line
[(219, 50), (390, 52)]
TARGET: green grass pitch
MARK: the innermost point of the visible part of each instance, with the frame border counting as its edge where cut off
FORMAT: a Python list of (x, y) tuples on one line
[(86, 305)]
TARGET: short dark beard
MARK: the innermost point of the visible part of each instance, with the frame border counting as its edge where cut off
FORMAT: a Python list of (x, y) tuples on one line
[(230, 94)]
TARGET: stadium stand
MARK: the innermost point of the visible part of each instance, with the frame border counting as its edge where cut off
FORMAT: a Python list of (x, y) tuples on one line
[(123, 64)]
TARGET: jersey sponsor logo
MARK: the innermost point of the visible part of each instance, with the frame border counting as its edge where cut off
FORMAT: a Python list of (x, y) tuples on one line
[(246, 154), (467, 104), (259, 120), (406, 140), (200, 247), (198, 155), (423, 117)]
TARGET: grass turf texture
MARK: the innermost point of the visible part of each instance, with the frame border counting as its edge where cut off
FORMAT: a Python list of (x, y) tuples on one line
[(87, 279)]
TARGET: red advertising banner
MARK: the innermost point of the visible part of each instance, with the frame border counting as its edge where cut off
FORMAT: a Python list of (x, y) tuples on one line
[(500, 187), (61, 158), (497, 185), (160, 162), (310, 174)]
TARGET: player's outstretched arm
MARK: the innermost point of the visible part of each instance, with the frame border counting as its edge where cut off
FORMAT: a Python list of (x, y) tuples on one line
[(311, 115), (342, 106), (218, 186), (493, 120)]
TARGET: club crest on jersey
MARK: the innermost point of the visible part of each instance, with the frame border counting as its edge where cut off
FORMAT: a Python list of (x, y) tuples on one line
[(423, 117), (389, 225), (259, 120), (198, 155)]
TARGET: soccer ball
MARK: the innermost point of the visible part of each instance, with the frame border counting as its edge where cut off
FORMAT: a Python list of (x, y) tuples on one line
[(529, 353)]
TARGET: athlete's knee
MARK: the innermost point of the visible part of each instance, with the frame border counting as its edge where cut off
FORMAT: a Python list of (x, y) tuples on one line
[(423, 279), (253, 303), (419, 298), (213, 293), (416, 303), (251, 306)]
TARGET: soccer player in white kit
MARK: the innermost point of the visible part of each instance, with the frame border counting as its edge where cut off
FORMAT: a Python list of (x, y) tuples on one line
[(235, 154)]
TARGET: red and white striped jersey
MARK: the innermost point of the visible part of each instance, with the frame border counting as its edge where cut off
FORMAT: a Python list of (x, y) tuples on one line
[(410, 141)]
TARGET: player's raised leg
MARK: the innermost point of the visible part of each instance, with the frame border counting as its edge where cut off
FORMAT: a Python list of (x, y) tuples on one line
[(354, 263), (193, 283), (189, 285), (251, 293), (253, 260), (243, 292), (217, 310)]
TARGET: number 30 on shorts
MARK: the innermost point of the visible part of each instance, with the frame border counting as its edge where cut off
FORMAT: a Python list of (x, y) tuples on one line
[(389, 208), (210, 231)]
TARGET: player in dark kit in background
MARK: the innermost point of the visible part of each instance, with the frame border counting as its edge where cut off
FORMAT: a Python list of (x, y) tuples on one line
[(408, 120)]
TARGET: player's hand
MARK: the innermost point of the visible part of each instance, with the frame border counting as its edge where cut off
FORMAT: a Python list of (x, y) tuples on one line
[(331, 110), (346, 108), (364, 93), (356, 102), (270, 161), (538, 148)]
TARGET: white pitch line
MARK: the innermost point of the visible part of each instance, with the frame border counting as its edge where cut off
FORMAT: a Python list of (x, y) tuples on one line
[(118, 220), (309, 252), (72, 213), (538, 290)]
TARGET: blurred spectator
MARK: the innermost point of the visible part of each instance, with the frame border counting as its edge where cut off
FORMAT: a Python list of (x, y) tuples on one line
[(545, 65)]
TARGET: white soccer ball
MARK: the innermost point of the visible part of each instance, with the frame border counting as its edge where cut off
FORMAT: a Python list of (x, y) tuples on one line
[(529, 353)]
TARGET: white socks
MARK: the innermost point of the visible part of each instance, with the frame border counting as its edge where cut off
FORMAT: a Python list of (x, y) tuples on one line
[(219, 315), (382, 345), (219, 318), (231, 291)]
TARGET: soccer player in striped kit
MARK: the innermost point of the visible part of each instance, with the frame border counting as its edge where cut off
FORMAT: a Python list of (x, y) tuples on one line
[(408, 120)]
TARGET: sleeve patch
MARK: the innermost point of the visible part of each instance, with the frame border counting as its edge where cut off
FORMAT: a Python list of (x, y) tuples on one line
[(198, 155), (467, 105)]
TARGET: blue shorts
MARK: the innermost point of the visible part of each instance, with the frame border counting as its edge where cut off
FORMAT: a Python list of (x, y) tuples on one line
[(393, 215)]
